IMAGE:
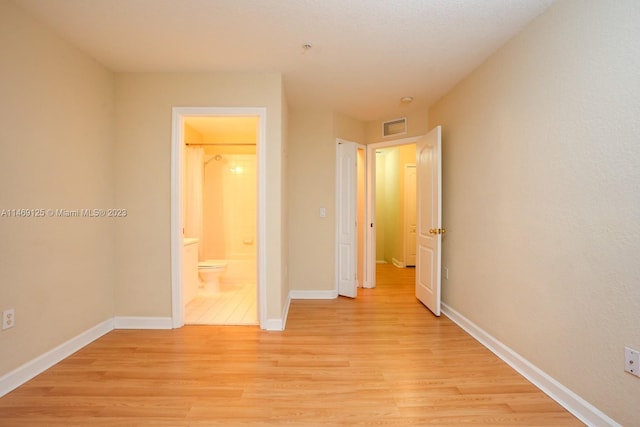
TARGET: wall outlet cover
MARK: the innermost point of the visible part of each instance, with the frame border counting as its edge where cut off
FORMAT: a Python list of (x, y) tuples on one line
[(8, 318), (632, 361)]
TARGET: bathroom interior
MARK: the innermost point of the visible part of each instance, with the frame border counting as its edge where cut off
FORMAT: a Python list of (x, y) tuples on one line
[(220, 220)]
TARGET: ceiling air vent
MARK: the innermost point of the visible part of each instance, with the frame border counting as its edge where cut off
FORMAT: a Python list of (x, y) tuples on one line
[(394, 127)]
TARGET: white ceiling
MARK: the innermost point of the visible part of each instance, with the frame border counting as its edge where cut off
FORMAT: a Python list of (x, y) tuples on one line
[(366, 54)]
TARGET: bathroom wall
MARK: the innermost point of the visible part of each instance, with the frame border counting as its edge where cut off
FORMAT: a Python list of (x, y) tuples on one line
[(191, 136), (213, 208), (229, 208), (56, 133), (541, 200)]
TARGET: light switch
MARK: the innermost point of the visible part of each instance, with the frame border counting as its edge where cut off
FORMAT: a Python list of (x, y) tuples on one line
[(323, 212)]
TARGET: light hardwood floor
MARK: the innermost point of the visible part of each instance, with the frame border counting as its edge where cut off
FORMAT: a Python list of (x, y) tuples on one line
[(381, 359), (232, 304)]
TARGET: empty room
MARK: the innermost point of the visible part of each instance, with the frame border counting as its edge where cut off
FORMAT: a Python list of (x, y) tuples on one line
[(303, 213)]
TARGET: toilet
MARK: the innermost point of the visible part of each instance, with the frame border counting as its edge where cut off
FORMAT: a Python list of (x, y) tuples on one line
[(210, 273)]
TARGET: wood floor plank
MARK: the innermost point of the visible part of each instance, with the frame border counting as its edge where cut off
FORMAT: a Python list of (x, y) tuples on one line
[(381, 359)]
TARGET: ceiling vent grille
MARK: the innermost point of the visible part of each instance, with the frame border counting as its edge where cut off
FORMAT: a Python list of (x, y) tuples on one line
[(394, 127)]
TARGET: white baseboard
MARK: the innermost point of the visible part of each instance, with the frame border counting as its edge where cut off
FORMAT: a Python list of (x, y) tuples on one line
[(573, 403), (14, 379), (24, 373), (274, 325), (285, 312), (299, 294), (398, 263), (279, 324), (122, 322)]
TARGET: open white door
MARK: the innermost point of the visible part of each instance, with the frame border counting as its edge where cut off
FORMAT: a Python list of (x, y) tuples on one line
[(346, 214), (429, 201)]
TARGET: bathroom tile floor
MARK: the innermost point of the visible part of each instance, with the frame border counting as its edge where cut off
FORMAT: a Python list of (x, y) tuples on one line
[(232, 305)]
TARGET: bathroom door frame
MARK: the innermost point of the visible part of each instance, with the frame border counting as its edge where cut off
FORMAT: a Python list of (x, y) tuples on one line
[(177, 196)]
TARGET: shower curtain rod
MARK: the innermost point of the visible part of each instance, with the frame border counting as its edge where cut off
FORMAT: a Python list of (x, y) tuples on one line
[(213, 144)]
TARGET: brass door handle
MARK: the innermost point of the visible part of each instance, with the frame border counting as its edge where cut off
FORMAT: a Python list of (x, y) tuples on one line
[(437, 230), (433, 231)]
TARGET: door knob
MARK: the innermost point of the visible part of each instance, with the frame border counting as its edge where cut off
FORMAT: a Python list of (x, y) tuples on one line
[(433, 231)]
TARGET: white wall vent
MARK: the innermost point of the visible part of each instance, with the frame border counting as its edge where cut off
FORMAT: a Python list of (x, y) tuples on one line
[(394, 127)]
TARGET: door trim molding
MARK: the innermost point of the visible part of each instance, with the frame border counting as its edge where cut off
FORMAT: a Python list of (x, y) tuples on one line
[(177, 166)]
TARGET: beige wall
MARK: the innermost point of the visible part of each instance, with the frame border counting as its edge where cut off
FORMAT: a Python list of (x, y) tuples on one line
[(541, 200), (349, 129), (56, 134), (311, 182), (143, 163)]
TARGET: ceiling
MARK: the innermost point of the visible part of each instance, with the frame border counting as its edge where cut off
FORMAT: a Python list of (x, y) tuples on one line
[(365, 54)]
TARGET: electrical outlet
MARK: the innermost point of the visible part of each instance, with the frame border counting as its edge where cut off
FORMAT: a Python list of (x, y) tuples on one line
[(8, 318), (632, 361)]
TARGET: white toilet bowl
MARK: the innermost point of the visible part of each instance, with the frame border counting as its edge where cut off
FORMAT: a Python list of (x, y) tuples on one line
[(210, 273)]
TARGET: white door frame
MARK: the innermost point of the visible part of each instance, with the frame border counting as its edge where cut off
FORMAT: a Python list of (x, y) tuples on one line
[(177, 177), (370, 253)]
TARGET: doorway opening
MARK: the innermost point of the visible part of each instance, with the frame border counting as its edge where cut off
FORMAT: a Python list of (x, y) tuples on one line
[(391, 205), (217, 216)]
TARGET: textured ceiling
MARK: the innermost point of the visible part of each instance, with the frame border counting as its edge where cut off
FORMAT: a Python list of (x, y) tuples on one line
[(366, 54)]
